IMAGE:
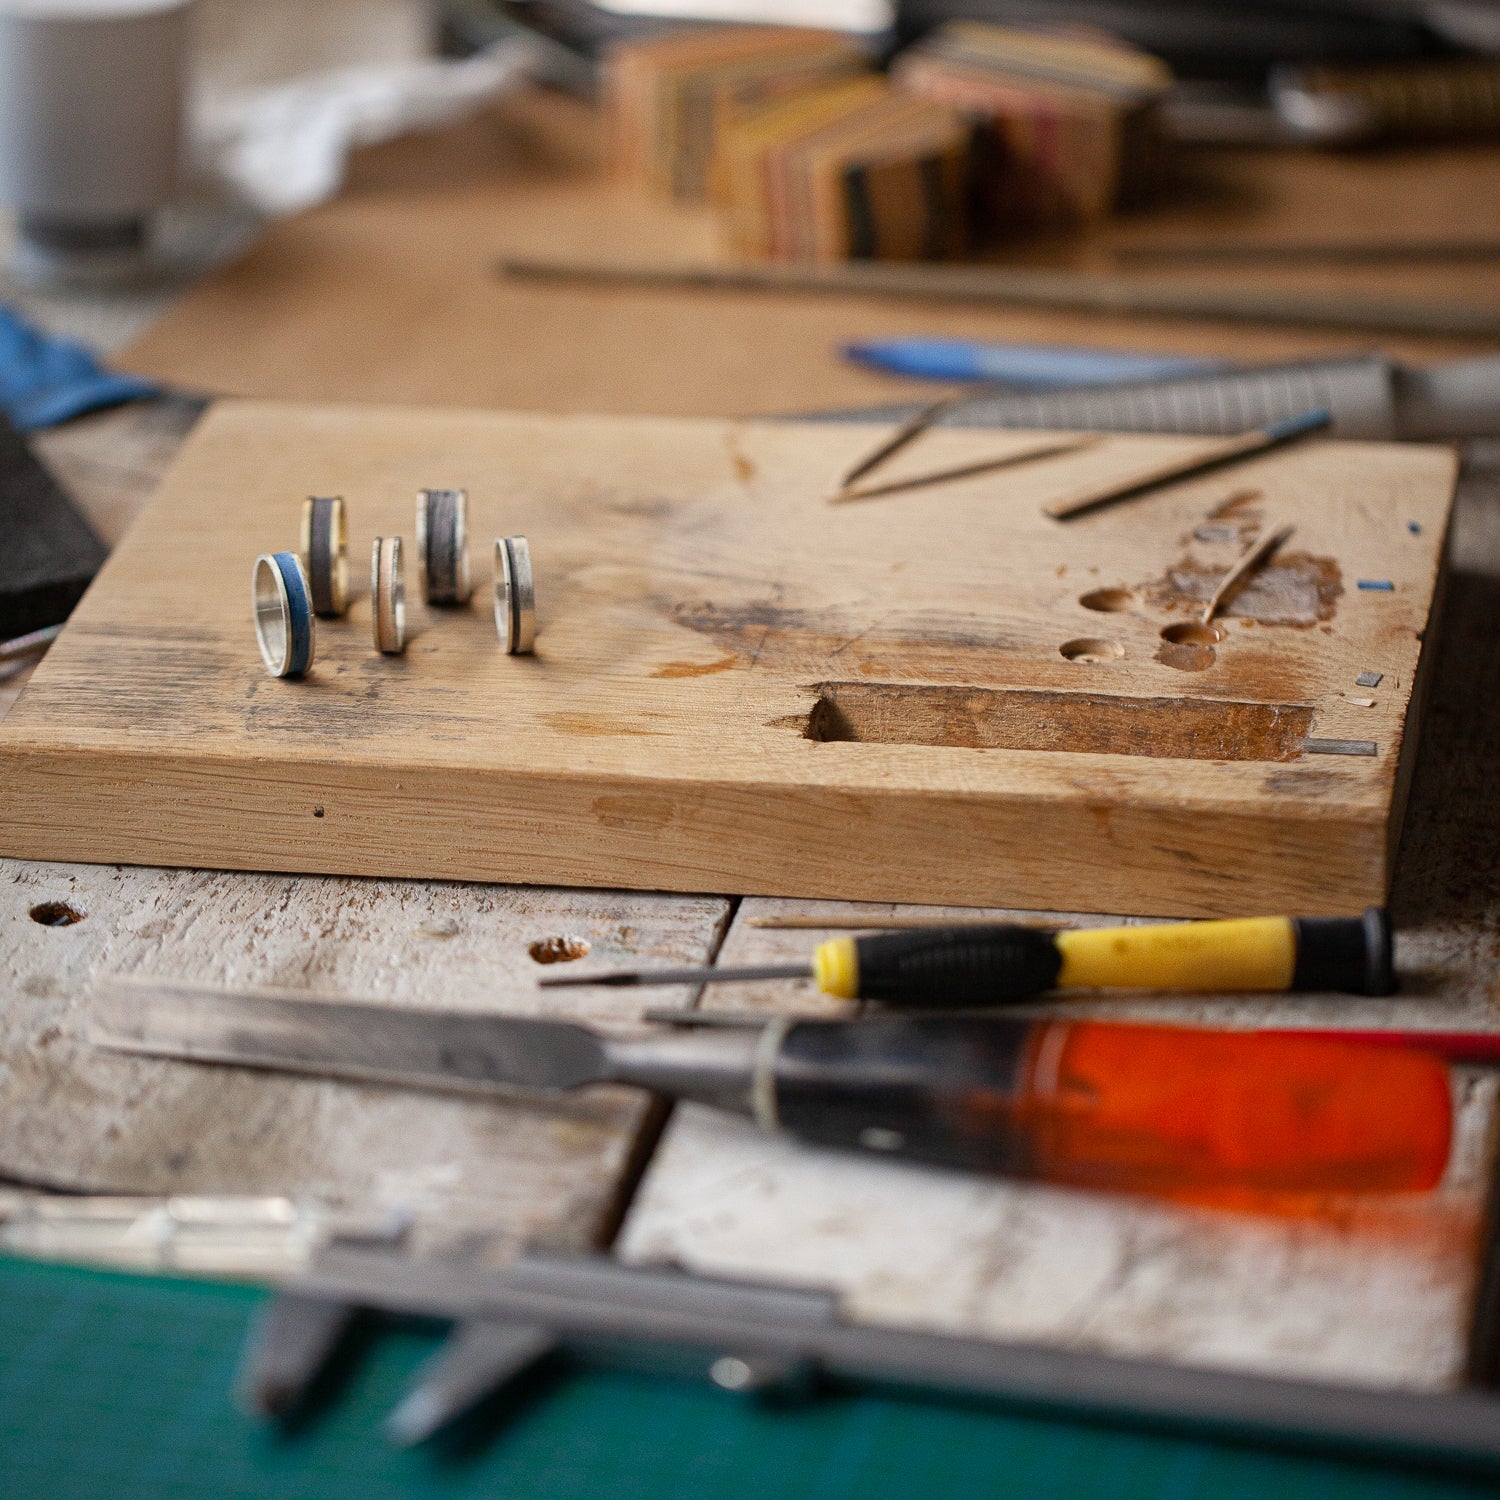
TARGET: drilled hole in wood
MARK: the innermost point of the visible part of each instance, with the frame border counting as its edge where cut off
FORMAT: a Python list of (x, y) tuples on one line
[(56, 914), (559, 950), (975, 718), (1092, 649), (1189, 646), (1107, 601), (1191, 633)]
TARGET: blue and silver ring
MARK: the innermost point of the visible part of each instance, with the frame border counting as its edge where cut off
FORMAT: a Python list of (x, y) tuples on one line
[(283, 614)]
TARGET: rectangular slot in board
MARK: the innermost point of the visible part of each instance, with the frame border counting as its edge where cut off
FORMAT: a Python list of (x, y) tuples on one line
[(976, 718)]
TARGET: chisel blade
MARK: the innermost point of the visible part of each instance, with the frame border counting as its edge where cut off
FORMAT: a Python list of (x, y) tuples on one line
[(376, 1043)]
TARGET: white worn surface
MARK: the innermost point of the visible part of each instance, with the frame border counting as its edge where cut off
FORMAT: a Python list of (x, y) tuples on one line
[(73, 1116), (1376, 1296)]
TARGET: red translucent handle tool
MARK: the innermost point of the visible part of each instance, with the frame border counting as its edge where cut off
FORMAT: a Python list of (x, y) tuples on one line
[(1129, 1108)]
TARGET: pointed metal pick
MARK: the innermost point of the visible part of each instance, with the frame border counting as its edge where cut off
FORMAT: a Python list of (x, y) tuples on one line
[(289, 1348), (479, 1358)]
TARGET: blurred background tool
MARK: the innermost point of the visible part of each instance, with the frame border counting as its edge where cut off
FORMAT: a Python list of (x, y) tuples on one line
[(1223, 250), (91, 131), (1444, 99), (1224, 451), (1030, 366), (1025, 286), (1366, 396), (1122, 1108), (963, 966)]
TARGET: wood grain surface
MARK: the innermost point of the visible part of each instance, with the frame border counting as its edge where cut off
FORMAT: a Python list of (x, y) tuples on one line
[(388, 294), (529, 1170), (737, 687)]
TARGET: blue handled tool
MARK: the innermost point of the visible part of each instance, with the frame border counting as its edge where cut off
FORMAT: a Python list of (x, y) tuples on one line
[(1029, 366)]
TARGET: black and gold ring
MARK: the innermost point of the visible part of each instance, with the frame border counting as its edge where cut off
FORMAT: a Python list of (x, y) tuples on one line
[(443, 546), (325, 553), (388, 596)]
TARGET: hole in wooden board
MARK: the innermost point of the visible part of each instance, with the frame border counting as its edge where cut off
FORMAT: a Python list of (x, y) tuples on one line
[(1092, 650), (1189, 645), (1192, 633), (56, 914), (559, 950), (975, 718), (1107, 601)]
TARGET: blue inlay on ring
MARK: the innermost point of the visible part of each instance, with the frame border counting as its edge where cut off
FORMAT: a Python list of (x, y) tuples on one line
[(299, 613)]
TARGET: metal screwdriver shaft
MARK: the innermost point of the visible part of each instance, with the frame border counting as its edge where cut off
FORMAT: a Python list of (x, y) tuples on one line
[(625, 977)]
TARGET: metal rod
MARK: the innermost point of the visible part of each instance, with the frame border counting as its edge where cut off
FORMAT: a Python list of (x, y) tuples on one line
[(623, 977), (29, 644), (1306, 252), (1090, 292), (834, 923), (963, 471)]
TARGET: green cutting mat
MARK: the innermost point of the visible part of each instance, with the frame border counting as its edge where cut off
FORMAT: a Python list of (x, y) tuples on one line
[(118, 1387)]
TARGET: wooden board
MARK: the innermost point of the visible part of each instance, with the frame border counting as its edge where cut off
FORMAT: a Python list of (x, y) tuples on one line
[(74, 1118), (387, 293), (527, 1169), (740, 688)]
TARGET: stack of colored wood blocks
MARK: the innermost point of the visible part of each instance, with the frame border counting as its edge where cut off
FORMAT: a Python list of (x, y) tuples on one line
[(858, 172), (1069, 123), (670, 97)]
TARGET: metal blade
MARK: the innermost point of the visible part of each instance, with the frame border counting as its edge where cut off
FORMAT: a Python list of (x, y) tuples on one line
[(381, 1043)]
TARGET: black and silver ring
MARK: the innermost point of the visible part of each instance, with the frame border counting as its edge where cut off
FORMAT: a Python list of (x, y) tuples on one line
[(515, 596), (325, 553), (282, 603), (443, 546), (388, 596)]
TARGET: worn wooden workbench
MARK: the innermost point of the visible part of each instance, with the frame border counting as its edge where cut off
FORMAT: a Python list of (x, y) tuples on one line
[(1340, 1298), (1346, 1297)]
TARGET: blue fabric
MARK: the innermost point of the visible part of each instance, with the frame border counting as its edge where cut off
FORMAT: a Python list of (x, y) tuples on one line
[(45, 380)]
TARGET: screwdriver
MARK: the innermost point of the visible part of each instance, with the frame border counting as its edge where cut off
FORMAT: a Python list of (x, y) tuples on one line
[(1125, 1108), (964, 966)]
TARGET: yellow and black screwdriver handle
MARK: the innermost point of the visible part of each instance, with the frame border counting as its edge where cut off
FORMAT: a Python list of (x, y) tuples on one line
[(963, 966)]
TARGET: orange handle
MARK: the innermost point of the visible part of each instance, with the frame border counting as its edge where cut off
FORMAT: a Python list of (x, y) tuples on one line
[(1155, 1108)]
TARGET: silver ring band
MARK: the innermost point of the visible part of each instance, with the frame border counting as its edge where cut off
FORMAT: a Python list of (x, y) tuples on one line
[(282, 607), (515, 595), (325, 553), (388, 596), (443, 546)]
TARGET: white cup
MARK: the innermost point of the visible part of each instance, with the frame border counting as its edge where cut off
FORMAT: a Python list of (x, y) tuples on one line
[(91, 112)]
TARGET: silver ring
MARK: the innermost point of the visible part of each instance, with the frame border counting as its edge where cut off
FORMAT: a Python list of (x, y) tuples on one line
[(325, 553), (443, 546), (388, 596), (515, 596), (282, 605)]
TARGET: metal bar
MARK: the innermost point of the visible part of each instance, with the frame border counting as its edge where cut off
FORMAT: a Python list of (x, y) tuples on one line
[(1035, 288), (591, 1303)]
